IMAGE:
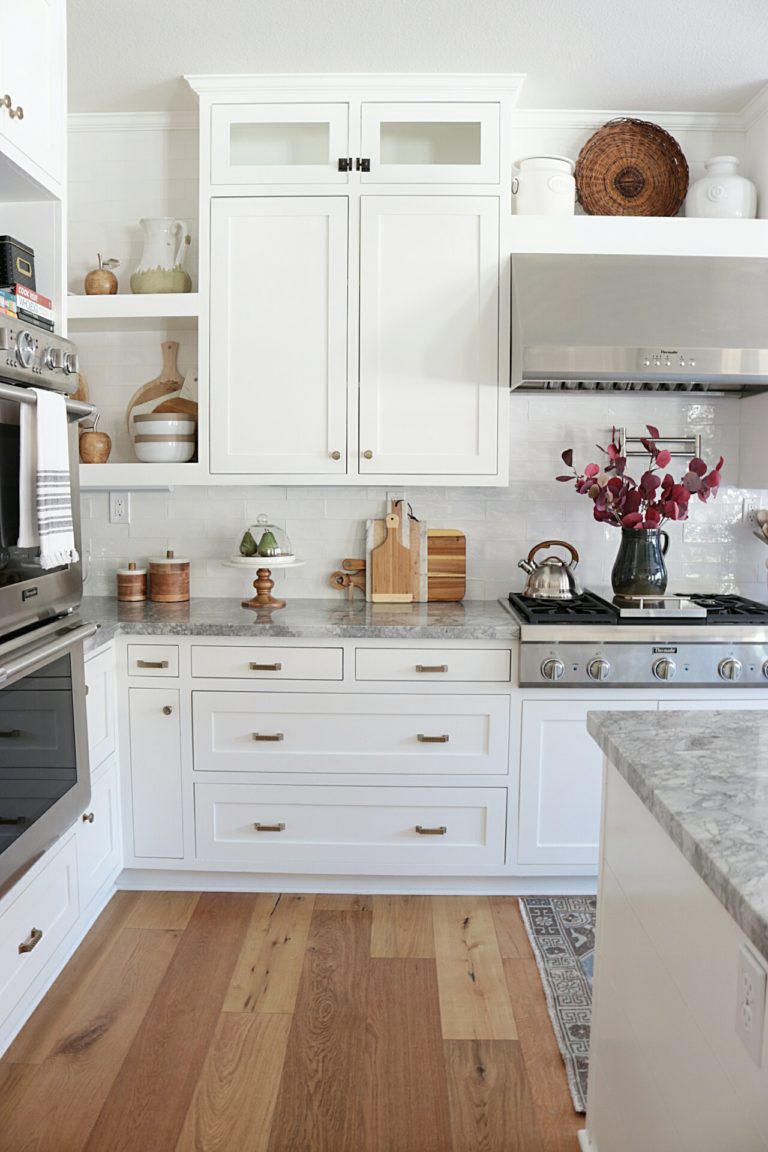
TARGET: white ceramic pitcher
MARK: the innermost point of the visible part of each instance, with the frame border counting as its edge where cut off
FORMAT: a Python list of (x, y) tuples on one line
[(161, 266)]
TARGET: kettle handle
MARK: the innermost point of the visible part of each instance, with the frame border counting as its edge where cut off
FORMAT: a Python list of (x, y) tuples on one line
[(548, 544)]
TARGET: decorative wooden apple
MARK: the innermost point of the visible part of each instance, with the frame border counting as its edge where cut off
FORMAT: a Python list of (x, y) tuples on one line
[(102, 281), (95, 447)]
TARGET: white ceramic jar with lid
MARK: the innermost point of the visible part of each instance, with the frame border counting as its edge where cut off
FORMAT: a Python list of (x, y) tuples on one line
[(722, 192), (545, 186)]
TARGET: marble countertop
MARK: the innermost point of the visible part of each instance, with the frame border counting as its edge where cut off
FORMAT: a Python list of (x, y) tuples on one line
[(704, 776), (302, 619)]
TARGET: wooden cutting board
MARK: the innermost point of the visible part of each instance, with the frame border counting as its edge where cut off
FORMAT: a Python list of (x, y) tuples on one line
[(169, 381), (391, 568), (413, 535), (446, 564)]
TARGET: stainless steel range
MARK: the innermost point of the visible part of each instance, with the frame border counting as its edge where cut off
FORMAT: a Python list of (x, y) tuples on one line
[(681, 641)]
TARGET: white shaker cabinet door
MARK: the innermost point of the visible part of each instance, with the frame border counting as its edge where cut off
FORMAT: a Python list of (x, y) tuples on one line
[(429, 316), (32, 60), (156, 772), (561, 774), (279, 335)]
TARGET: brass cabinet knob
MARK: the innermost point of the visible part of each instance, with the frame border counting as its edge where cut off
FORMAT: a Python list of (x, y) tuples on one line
[(335, 455), (368, 454), (16, 113), (167, 710), (88, 817)]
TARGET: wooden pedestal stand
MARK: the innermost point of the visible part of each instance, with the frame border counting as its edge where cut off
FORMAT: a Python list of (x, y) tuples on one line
[(263, 582)]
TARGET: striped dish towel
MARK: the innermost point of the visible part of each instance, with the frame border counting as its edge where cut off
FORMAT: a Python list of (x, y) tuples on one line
[(45, 499)]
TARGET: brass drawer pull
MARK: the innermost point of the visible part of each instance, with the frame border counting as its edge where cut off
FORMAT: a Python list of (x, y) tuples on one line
[(422, 739), (31, 941), (441, 831), (431, 667), (269, 827), (276, 667), (88, 817), (10, 734), (270, 736), (151, 663)]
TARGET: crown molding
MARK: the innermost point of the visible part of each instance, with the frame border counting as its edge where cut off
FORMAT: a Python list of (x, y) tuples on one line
[(755, 109), (509, 82), (590, 119), (132, 121)]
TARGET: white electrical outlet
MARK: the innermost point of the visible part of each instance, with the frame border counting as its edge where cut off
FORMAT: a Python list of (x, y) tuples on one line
[(119, 507), (751, 509), (750, 1003)]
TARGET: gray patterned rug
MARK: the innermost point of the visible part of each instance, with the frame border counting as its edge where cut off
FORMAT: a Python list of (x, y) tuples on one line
[(562, 933)]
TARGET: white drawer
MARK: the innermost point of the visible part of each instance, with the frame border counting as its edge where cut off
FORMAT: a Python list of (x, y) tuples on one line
[(244, 663), (323, 732), (320, 826), (441, 665), (47, 904), (100, 706), (153, 659)]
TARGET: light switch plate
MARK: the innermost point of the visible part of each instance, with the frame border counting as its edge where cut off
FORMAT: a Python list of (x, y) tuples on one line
[(750, 1003)]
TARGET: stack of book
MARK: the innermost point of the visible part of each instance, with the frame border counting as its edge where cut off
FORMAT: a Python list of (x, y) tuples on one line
[(27, 305)]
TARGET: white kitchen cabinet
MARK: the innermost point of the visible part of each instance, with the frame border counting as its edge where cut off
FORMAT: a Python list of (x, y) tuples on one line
[(156, 784), (429, 360), (100, 706), (274, 143), (561, 780), (279, 335), (98, 835), (428, 143), (32, 62)]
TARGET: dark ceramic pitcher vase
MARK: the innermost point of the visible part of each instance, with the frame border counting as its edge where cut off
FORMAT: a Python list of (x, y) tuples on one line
[(639, 569)]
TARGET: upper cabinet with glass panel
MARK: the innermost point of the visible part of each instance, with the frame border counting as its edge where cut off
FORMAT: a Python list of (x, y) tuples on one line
[(430, 143), (280, 144)]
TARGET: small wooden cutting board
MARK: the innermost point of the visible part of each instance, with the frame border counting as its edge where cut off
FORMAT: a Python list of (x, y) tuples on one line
[(391, 568)]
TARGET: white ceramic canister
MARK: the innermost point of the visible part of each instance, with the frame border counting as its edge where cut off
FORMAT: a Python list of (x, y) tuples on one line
[(722, 192), (545, 186)]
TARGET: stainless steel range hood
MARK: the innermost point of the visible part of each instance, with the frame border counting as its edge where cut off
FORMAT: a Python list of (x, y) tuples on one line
[(586, 323)]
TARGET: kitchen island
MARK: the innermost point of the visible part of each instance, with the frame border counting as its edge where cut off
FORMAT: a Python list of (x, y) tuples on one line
[(683, 905)]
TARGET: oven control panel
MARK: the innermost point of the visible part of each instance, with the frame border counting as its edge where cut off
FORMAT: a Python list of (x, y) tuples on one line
[(34, 356), (699, 665)]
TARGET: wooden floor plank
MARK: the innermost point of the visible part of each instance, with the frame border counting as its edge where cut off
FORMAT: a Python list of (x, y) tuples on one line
[(510, 932), (268, 969), (163, 910), (342, 902), (557, 1121), (16, 1081), (235, 1096), (402, 927), (405, 1108), (474, 1001), (320, 1100), (490, 1101), (158, 1078), (87, 1047)]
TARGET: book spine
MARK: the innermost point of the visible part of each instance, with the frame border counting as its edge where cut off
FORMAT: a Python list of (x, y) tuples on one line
[(38, 321), (35, 297), (31, 308)]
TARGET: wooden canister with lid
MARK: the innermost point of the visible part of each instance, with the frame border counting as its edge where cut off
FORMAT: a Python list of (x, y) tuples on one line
[(169, 579), (132, 583)]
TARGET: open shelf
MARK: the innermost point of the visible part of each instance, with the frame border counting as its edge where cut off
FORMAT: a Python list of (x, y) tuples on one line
[(136, 475), (638, 236), (125, 311)]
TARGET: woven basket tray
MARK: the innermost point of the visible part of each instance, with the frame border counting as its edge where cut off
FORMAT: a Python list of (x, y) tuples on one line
[(631, 168)]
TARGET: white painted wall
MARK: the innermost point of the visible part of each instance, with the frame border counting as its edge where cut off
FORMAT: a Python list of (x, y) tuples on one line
[(119, 175)]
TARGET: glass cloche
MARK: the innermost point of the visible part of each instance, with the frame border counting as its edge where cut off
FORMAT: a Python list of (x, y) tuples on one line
[(265, 539)]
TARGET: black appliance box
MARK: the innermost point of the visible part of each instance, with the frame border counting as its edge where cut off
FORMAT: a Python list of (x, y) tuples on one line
[(17, 263)]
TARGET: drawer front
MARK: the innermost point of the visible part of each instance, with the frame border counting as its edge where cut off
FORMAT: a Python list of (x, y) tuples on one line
[(47, 905), (100, 706), (153, 659), (313, 732), (338, 825), (267, 663), (438, 665)]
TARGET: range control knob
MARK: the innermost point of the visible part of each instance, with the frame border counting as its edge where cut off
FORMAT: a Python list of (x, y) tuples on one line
[(71, 363), (25, 349), (664, 669), (598, 669), (53, 358), (765, 669), (553, 669), (729, 669)]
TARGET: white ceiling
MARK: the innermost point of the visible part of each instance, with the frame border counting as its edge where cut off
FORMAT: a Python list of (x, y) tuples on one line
[(633, 55)]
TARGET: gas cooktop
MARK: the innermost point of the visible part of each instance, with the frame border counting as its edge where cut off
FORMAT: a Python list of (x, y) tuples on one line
[(690, 608)]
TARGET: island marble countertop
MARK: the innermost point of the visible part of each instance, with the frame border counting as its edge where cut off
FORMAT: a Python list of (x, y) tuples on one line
[(704, 776), (302, 619)]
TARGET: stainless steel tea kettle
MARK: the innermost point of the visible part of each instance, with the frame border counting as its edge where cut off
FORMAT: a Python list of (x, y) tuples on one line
[(552, 578)]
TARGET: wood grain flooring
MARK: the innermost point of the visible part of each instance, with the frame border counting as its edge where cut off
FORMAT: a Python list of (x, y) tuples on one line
[(265, 1023)]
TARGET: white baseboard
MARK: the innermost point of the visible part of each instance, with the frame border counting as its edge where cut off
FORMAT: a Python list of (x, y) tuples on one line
[(585, 1144)]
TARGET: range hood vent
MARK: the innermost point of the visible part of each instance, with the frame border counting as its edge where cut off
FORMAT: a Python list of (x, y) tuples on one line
[(667, 325)]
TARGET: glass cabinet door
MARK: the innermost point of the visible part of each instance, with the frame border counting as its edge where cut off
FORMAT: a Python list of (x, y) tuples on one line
[(430, 143), (280, 144)]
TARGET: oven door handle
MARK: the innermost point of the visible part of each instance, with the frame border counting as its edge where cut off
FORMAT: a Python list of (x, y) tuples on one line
[(47, 651)]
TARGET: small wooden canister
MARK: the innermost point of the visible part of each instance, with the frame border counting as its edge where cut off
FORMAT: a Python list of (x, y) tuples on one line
[(131, 583), (168, 579)]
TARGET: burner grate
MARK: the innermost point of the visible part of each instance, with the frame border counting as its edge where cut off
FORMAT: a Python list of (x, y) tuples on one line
[(727, 608), (585, 609)]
